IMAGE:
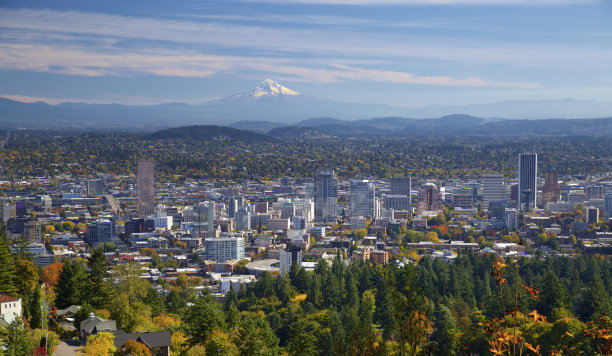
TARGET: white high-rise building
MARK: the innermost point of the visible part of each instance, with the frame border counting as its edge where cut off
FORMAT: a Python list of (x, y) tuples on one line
[(511, 219), (242, 218), (363, 199), (492, 189), (204, 222), (221, 249), (288, 257), (326, 196)]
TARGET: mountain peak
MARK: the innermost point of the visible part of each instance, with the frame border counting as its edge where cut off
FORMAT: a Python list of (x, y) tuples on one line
[(271, 87)]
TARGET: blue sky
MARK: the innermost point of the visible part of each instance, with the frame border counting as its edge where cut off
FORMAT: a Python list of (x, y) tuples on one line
[(397, 52)]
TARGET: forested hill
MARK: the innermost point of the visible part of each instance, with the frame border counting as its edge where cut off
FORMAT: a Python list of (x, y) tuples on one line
[(453, 125), (208, 133)]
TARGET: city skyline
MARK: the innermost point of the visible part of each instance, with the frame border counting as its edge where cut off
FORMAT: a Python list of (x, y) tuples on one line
[(402, 53)]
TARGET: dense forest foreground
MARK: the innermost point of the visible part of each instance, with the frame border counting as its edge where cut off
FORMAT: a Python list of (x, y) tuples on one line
[(230, 154), (478, 304)]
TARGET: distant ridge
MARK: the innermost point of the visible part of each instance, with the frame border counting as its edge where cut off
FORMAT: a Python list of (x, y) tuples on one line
[(452, 125)]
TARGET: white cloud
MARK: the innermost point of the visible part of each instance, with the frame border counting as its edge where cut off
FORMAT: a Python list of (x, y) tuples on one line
[(111, 29), (77, 62), (92, 45)]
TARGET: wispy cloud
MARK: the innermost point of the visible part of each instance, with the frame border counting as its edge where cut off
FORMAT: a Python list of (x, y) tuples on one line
[(92, 45), (111, 29), (78, 62)]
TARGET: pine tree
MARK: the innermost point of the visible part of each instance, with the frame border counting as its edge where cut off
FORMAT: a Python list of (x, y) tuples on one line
[(255, 337), (99, 291), (302, 342), (16, 339), (446, 330), (7, 268), (72, 285), (36, 321)]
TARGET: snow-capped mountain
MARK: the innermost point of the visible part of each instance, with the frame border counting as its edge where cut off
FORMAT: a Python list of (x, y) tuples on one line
[(271, 101), (269, 87), (268, 90)]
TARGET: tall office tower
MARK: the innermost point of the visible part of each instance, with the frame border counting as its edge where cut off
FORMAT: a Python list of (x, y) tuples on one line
[(204, 222), (401, 186), (497, 209), (396, 202), (528, 179), (146, 193), (233, 204), (608, 205), (492, 189), (288, 257), (363, 199), (8, 211), (430, 198), (594, 191), (95, 187), (326, 196), (287, 210), (591, 215), (243, 218), (511, 219), (463, 198), (551, 191), (99, 231), (33, 231)]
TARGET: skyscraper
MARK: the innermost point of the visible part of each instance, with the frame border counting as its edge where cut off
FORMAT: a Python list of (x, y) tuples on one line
[(326, 196), (430, 198), (146, 193), (363, 199), (204, 222), (401, 186), (528, 178), (608, 204), (492, 189), (95, 187), (551, 189)]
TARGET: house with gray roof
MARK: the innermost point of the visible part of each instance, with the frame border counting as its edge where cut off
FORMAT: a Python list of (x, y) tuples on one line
[(94, 325), (157, 342)]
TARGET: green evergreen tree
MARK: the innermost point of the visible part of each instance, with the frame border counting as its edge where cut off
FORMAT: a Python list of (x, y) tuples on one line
[(153, 300), (302, 341), (7, 268), (553, 294), (446, 331), (174, 303), (16, 341), (593, 301), (99, 291), (202, 318), (231, 298), (255, 337), (72, 285), (36, 302)]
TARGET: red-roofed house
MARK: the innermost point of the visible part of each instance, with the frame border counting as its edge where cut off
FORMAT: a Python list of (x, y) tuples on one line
[(10, 308)]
